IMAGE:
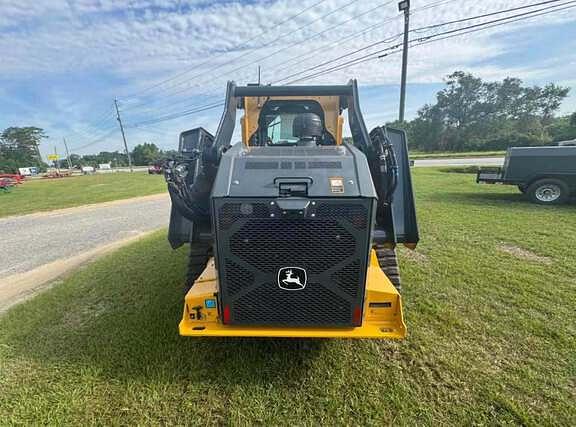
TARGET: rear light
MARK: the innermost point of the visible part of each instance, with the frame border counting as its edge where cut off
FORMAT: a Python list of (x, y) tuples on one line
[(227, 314), (357, 316)]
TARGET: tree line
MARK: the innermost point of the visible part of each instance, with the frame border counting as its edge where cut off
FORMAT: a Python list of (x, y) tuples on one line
[(20, 147), (471, 114), (142, 155)]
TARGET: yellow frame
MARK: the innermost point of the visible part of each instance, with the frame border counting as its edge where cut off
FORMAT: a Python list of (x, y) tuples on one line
[(385, 321)]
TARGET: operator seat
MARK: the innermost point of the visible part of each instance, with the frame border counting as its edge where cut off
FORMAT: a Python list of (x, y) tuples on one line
[(308, 128)]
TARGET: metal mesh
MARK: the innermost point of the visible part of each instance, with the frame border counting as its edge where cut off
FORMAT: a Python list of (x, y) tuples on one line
[(269, 305), (269, 244), (347, 278), (331, 246)]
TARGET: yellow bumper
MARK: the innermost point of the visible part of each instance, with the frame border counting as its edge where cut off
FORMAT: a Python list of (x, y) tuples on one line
[(382, 313)]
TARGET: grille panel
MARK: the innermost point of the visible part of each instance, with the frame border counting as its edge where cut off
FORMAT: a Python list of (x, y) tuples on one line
[(331, 246), (282, 309), (268, 243), (229, 213), (355, 214), (237, 277), (346, 278)]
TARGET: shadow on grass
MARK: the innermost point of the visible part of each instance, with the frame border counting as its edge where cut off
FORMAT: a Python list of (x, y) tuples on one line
[(483, 198), (120, 322)]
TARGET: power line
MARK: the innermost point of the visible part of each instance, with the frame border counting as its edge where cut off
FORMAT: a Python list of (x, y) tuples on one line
[(387, 40), (275, 69), (425, 7), (177, 115), (432, 38), (359, 33), (415, 30), (485, 15), (207, 74), (546, 11), (390, 50), (238, 46), (97, 140)]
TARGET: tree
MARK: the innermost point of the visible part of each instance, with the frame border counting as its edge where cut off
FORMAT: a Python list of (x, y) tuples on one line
[(563, 128), (470, 114), (19, 147), (144, 154)]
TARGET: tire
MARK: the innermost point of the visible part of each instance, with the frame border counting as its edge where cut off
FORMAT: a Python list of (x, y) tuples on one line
[(198, 258), (522, 189), (548, 191), (389, 264)]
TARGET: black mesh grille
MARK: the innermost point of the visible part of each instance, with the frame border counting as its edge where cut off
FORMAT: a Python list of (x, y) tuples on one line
[(347, 277), (330, 242), (229, 213), (355, 214), (237, 277), (269, 305), (269, 243)]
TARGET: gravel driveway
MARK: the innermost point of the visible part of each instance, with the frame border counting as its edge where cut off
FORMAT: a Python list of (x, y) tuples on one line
[(32, 242)]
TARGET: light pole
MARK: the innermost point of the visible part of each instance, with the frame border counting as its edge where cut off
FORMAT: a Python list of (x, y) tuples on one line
[(404, 6)]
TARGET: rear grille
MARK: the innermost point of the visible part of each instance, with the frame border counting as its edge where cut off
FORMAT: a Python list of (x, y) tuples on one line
[(269, 304), (270, 243), (345, 278), (255, 241)]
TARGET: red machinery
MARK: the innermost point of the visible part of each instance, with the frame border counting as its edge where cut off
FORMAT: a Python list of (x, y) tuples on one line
[(15, 178)]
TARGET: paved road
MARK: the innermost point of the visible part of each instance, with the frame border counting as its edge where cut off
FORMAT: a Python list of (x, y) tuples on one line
[(31, 241), (472, 161)]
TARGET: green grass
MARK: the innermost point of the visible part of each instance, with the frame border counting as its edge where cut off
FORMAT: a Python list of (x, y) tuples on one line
[(492, 336), (415, 155), (48, 194)]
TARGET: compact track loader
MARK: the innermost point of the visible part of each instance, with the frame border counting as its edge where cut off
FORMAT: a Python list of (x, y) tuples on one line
[(292, 232)]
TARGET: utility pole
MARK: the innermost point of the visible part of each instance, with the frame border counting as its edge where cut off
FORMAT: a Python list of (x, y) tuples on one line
[(258, 75), (404, 6), (67, 155), (123, 135)]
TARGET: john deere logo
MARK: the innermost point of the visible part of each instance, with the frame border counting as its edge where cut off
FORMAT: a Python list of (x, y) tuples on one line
[(292, 278)]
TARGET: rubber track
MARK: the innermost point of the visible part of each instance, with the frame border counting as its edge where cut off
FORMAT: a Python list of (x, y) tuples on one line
[(198, 258), (389, 264)]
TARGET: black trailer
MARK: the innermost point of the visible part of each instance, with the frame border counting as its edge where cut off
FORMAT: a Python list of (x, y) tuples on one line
[(547, 175)]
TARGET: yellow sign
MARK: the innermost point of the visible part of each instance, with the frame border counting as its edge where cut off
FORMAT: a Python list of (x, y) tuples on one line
[(53, 157)]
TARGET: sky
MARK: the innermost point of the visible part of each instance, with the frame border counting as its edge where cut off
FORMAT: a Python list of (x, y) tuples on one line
[(63, 63)]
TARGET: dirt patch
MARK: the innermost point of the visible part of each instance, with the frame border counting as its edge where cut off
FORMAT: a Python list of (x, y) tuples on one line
[(413, 255), (523, 254)]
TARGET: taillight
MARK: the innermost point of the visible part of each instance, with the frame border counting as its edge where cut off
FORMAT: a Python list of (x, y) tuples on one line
[(227, 314), (357, 316)]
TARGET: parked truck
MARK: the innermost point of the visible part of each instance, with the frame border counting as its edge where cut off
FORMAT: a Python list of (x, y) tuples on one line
[(547, 175)]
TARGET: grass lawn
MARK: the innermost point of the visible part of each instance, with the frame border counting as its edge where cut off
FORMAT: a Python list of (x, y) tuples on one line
[(48, 194), (489, 302), (415, 155)]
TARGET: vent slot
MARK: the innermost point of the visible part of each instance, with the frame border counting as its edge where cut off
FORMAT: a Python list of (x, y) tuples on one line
[(261, 165), (324, 165)]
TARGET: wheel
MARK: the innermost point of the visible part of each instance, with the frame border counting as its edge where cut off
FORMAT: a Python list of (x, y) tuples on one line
[(548, 191), (389, 264), (198, 258)]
